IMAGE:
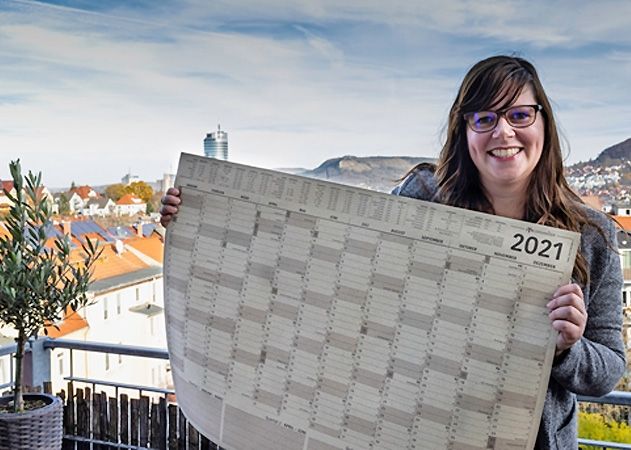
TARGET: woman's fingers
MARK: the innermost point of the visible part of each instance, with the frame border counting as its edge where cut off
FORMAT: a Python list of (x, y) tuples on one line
[(170, 206), (568, 315)]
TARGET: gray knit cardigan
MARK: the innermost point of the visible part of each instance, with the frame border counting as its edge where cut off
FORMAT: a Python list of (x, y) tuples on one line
[(594, 364)]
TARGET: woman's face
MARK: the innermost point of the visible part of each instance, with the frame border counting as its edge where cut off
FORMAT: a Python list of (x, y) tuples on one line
[(507, 156)]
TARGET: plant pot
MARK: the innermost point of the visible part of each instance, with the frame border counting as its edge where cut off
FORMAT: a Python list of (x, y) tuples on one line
[(36, 429)]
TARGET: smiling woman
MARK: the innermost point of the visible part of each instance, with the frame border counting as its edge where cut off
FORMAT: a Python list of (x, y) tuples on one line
[(502, 156)]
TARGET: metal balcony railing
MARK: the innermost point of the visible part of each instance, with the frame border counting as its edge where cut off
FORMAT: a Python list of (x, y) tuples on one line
[(617, 398)]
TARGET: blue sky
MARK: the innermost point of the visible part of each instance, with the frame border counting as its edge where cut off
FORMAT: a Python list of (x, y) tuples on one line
[(90, 90)]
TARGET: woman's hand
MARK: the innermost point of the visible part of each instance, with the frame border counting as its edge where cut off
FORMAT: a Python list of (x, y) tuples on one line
[(568, 315), (170, 206)]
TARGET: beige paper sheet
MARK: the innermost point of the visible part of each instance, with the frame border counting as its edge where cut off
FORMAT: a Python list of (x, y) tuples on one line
[(303, 314)]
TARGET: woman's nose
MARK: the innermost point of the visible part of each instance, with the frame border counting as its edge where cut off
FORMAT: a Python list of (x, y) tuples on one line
[(503, 128)]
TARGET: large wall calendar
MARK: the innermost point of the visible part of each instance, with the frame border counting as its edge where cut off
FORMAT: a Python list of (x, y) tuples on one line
[(308, 315)]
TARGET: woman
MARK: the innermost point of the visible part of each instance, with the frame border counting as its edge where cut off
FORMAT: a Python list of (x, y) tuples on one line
[(502, 156)]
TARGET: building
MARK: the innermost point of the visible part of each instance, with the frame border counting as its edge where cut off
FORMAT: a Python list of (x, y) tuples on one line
[(167, 181), (129, 204), (216, 144), (127, 307), (78, 198), (129, 179)]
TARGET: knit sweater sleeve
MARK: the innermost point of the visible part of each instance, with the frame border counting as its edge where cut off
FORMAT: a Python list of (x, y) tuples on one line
[(596, 362)]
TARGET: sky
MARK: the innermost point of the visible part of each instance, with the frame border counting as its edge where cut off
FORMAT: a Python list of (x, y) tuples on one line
[(93, 90)]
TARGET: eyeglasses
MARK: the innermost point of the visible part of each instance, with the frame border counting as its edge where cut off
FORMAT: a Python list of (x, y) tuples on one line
[(520, 116)]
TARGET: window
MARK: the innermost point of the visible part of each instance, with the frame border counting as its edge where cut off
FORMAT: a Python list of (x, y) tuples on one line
[(60, 362), (626, 259), (118, 304), (105, 312)]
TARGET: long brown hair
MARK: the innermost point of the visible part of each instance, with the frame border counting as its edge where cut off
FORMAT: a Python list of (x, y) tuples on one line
[(550, 199)]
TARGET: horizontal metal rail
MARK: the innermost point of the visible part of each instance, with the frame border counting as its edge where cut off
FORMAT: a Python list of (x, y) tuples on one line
[(136, 387), (8, 349), (605, 445), (106, 444), (619, 398), (102, 347)]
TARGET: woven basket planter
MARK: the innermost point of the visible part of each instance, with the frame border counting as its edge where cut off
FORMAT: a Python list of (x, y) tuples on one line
[(36, 429)]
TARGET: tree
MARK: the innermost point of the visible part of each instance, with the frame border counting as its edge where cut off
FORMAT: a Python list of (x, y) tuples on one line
[(64, 205), (141, 190), (596, 426), (116, 191), (37, 283)]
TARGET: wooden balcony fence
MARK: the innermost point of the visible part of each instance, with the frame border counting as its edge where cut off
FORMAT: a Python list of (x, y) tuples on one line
[(105, 422)]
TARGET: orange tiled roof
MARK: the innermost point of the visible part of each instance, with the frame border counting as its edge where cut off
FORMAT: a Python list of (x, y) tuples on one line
[(112, 264), (72, 321), (151, 246), (82, 191), (7, 185), (624, 221), (129, 199)]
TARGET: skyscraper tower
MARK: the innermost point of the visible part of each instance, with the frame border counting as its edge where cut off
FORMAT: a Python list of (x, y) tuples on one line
[(216, 144)]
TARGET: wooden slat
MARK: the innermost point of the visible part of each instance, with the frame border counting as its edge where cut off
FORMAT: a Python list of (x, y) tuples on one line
[(154, 426), (162, 410), (134, 419), (193, 438), (112, 429), (83, 417), (69, 416), (181, 444), (144, 421), (96, 419), (173, 409), (124, 413)]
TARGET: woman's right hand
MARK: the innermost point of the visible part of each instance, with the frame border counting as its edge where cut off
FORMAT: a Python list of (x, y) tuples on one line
[(170, 206)]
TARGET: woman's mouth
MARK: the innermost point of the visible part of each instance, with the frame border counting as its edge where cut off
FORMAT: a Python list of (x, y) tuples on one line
[(505, 152)]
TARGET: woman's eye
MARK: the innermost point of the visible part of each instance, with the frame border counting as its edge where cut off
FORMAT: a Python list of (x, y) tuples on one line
[(519, 115), (483, 119)]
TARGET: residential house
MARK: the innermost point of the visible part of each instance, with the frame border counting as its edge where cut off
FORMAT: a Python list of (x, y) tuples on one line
[(101, 206), (5, 203), (78, 198), (129, 204), (127, 308)]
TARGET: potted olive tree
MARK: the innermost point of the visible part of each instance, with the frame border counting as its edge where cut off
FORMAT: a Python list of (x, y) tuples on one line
[(38, 283)]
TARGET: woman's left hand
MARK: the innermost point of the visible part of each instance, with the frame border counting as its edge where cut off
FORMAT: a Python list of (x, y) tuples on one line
[(568, 315)]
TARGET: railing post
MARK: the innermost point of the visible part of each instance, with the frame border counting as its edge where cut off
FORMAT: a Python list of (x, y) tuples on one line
[(36, 364)]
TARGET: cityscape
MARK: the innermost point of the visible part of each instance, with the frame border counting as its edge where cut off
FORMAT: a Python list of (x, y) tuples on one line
[(127, 288)]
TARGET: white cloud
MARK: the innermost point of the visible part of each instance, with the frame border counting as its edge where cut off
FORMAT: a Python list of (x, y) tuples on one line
[(96, 94)]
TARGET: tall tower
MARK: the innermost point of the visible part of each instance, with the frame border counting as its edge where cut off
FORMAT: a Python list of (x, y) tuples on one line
[(216, 144)]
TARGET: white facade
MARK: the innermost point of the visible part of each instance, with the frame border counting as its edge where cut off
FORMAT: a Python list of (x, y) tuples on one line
[(129, 315)]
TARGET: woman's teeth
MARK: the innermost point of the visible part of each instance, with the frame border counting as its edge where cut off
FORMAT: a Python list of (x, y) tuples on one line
[(505, 152)]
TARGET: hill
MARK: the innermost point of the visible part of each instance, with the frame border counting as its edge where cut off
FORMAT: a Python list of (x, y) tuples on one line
[(617, 154), (380, 173)]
